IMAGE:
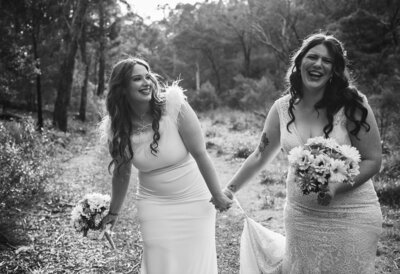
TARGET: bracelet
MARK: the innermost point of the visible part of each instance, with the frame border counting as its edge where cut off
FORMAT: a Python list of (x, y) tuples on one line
[(112, 214), (232, 188)]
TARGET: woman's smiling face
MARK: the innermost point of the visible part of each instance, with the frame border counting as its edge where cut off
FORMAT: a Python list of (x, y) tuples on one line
[(140, 87), (316, 68)]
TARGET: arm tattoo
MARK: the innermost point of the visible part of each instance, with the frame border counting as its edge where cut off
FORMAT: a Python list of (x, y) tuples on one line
[(264, 142), (232, 188)]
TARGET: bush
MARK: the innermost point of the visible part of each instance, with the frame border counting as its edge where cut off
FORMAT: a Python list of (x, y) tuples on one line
[(24, 163), (251, 93), (387, 182), (204, 99), (242, 150), (389, 193)]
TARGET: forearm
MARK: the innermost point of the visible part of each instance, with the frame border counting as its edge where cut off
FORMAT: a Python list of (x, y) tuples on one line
[(209, 173), (120, 183), (368, 168), (247, 171)]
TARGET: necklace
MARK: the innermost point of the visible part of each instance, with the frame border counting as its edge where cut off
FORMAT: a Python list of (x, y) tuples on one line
[(142, 125)]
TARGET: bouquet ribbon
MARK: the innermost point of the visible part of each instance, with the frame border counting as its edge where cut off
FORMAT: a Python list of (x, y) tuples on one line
[(107, 233)]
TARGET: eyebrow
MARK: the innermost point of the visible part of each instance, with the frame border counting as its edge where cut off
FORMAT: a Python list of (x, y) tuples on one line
[(323, 56), (140, 74)]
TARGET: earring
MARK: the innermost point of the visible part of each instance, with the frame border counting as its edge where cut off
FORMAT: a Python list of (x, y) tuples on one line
[(330, 80)]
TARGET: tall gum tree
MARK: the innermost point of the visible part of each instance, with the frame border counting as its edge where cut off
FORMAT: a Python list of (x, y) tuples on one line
[(60, 115)]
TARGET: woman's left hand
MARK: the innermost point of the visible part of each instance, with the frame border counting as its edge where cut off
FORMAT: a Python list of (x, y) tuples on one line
[(109, 219), (327, 193)]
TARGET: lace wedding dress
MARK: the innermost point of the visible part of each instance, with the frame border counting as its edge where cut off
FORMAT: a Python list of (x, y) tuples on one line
[(340, 238)]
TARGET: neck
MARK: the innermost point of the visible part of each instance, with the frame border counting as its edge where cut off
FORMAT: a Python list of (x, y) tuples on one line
[(141, 110), (311, 97)]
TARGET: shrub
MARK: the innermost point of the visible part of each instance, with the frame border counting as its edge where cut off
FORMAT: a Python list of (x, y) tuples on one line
[(242, 150), (204, 99), (391, 166), (251, 93), (388, 192), (24, 163)]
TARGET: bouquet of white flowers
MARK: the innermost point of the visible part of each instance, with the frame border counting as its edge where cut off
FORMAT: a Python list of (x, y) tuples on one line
[(321, 161), (89, 212)]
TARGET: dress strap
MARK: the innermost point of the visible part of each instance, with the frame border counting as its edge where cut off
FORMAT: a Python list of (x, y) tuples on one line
[(283, 106)]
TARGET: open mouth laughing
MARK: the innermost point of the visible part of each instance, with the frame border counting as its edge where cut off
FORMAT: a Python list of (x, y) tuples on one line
[(145, 91), (315, 75)]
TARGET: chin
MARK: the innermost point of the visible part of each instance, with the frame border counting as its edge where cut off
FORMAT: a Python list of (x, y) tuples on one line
[(315, 86)]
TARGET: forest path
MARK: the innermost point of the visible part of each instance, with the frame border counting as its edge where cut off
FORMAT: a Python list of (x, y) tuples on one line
[(86, 172), (53, 246)]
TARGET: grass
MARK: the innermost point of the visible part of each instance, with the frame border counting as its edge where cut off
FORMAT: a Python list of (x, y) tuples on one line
[(45, 242)]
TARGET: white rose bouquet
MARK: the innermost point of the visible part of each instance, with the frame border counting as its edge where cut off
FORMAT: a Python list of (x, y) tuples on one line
[(322, 161), (89, 212)]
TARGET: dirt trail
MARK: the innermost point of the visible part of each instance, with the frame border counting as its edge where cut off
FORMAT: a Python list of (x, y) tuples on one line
[(87, 173), (57, 248)]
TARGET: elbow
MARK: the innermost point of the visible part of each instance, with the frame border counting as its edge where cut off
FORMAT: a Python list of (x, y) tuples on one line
[(375, 165), (258, 159), (199, 154)]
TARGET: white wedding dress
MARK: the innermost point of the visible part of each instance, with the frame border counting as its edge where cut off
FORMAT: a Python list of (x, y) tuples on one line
[(177, 221), (340, 238)]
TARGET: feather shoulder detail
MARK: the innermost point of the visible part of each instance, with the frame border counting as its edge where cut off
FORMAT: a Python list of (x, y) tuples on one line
[(175, 98), (104, 129)]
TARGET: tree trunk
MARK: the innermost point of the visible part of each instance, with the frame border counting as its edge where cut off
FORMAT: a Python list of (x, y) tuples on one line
[(35, 34), (94, 72), (83, 104), (246, 56), (208, 53), (197, 76), (102, 48), (86, 62), (60, 118)]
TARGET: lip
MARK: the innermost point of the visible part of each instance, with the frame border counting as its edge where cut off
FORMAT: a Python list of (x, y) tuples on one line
[(145, 91), (315, 73)]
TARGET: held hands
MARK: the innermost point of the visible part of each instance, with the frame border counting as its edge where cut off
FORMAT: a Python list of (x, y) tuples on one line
[(222, 202)]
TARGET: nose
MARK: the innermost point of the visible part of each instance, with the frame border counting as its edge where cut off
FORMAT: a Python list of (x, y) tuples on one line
[(147, 81), (318, 62)]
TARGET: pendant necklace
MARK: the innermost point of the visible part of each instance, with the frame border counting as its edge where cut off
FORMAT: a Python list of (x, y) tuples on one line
[(143, 126)]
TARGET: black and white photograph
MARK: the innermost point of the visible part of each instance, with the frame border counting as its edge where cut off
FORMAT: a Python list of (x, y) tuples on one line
[(199, 137)]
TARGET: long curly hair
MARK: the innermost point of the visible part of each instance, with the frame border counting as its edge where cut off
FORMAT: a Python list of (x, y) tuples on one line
[(338, 92), (120, 112)]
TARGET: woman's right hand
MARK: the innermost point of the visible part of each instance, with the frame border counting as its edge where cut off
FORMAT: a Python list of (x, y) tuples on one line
[(109, 219), (228, 193), (222, 202)]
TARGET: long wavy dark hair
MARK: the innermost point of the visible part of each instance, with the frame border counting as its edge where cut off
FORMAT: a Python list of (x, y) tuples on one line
[(121, 113), (338, 92)]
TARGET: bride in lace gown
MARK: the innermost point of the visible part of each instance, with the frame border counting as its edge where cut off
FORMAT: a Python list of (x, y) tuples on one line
[(338, 230), (160, 135)]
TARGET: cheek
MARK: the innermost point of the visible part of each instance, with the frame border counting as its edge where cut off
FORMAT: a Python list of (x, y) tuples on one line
[(329, 69), (304, 65), (303, 69), (133, 87)]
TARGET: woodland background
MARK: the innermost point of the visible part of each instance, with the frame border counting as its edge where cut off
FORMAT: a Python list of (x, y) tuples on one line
[(231, 56)]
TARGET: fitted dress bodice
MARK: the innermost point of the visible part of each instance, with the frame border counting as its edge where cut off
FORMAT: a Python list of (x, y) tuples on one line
[(172, 173), (365, 194)]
